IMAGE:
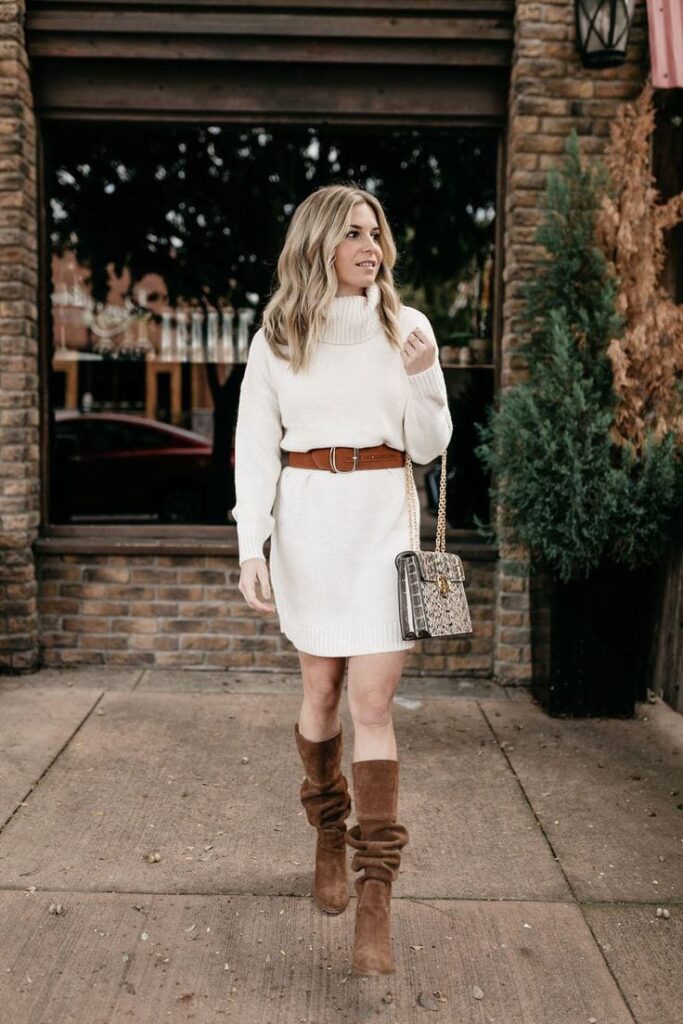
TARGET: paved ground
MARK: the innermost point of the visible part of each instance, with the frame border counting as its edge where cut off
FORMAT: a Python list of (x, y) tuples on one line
[(539, 852)]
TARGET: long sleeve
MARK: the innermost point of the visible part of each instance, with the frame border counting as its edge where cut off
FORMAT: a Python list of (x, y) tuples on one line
[(257, 452), (427, 422)]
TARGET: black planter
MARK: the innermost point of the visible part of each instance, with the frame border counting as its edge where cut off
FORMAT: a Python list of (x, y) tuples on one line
[(601, 639)]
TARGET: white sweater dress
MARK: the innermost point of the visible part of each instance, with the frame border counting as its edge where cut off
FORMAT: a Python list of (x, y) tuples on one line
[(334, 536)]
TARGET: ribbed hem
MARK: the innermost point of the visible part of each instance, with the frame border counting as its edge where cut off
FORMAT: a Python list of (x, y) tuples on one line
[(341, 641), (249, 544), (429, 383)]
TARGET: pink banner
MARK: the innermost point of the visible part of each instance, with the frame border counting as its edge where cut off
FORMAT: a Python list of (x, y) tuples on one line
[(665, 22)]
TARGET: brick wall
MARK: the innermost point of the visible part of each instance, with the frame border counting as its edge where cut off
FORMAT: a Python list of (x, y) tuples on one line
[(177, 610), (550, 92), (19, 453)]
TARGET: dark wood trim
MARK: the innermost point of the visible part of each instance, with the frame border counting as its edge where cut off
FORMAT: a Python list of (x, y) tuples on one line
[(117, 543), (128, 90), (666, 159), (43, 327), (178, 61), (499, 278), (475, 52), (419, 8), (174, 531), (451, 33), (469, 545), (48, 31)]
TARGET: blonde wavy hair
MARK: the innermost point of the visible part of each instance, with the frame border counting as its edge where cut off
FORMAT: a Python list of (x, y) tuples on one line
[(295, 316)]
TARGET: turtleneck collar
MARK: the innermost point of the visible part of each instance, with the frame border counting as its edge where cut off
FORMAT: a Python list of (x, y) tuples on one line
[(353, 318)]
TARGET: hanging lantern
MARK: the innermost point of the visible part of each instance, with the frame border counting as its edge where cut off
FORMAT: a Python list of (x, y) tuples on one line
[(602, 28)]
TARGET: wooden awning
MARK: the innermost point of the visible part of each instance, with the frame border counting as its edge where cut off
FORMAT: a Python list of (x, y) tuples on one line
[(388, 61)]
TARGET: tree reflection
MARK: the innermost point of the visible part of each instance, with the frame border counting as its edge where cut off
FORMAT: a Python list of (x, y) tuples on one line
[(205, 209)]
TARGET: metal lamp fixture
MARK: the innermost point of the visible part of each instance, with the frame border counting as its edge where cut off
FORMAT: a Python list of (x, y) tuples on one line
[(602, 28)]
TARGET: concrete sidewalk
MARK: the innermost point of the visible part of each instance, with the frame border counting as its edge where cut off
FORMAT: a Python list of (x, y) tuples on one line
[(539, 852)]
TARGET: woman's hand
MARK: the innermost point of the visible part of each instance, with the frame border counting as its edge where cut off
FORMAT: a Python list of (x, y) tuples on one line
[(419, 352), (254, 569)]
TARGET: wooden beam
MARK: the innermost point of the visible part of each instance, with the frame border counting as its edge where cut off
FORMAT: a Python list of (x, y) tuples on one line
[(132, 90), (444, 33), (248, 49), (301, 26), (488, 9)]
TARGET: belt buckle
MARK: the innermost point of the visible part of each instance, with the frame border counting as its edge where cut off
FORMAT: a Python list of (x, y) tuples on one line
[(333, 460)]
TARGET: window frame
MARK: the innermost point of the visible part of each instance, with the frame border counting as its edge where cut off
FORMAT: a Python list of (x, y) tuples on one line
[(186, 538)]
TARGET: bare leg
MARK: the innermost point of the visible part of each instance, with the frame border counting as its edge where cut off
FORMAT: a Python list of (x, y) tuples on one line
[(323, 680), (373, 681)]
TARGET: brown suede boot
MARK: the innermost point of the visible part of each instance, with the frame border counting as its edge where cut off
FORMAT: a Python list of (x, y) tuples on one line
[(326, 800), (378, 840)]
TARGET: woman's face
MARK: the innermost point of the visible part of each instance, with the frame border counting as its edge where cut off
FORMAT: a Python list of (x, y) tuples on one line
[(360, 246)]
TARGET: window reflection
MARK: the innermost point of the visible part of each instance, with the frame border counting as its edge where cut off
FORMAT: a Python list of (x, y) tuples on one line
[(112, 464), (164, 241)]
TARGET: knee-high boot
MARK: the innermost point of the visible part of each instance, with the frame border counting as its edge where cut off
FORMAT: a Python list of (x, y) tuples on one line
[(326, 800), (378, 840)]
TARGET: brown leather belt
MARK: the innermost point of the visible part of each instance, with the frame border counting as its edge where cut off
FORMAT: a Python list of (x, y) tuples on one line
[(338, 459)]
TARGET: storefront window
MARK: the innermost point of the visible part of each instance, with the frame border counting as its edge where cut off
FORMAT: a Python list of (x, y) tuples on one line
[(164, 242)]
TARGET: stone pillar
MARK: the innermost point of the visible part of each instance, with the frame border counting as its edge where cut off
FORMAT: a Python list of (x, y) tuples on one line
[(19, 409), (550, 92)]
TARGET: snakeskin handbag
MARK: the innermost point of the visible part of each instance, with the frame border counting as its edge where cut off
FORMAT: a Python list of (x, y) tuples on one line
[(431, 584)]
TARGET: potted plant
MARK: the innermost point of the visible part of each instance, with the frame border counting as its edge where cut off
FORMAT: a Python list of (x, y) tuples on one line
[(595, 510)]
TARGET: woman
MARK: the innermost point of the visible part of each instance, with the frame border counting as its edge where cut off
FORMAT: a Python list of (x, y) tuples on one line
[(343, 379)]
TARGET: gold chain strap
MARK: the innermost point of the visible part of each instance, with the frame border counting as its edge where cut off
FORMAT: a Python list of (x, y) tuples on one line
[(411, 492)]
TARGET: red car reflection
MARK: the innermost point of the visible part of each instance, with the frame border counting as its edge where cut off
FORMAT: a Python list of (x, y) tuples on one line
[(113, 465)]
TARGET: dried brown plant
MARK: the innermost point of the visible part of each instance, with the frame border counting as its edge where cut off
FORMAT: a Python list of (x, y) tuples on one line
[(647, 360)]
